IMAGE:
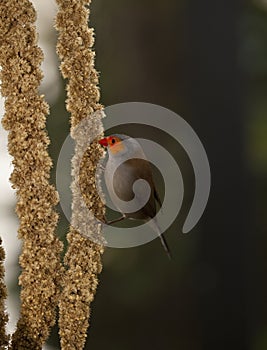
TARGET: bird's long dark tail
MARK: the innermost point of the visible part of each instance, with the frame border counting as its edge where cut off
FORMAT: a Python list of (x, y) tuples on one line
[(164, 243)]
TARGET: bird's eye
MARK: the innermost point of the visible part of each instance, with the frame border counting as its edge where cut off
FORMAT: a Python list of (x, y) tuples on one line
[(113, 141)]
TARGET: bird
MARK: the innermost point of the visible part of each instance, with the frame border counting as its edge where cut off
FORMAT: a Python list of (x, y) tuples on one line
[(125, 165)]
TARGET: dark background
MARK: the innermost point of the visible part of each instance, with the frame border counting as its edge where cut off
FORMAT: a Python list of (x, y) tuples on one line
[(207, 61)]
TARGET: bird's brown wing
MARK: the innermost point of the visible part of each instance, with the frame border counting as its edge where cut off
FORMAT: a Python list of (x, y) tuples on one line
[(124, 178), (157, 197)]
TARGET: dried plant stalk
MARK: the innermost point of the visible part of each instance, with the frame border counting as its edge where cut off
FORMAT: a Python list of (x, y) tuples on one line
[(83, 258), (4, 338), (25, 119)]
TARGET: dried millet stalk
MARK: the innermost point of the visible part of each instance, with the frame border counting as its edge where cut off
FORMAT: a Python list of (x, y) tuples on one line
[(25, 119), (4, 338), (83, 258)]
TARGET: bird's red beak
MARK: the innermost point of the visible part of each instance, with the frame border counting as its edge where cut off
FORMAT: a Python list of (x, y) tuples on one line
[(103, 142)]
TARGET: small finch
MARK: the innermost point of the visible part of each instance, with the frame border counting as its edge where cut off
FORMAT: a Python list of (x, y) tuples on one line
[(125, 165)]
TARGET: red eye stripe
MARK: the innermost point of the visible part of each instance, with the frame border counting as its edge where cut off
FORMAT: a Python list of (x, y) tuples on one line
[(113, 140)]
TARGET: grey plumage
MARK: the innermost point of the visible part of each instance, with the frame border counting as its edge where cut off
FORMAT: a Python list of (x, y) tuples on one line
[(129, 165)]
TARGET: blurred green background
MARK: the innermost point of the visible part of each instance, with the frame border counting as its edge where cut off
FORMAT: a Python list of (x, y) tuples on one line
[(207, 61)]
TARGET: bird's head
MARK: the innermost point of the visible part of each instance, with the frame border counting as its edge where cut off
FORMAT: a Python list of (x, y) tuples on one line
[(124, 146), (115, 144)]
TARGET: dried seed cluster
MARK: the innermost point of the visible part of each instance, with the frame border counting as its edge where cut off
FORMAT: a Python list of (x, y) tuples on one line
[(83, 258), (25, 119), (3, 294)]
